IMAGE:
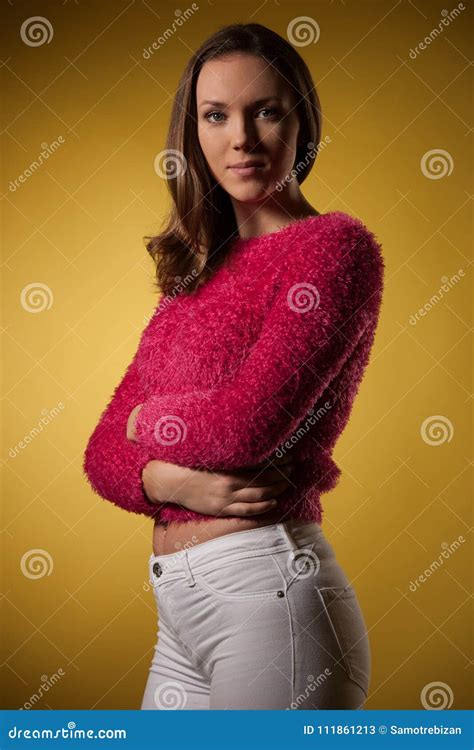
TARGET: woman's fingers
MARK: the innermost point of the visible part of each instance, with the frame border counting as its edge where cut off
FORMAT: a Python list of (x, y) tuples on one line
[(256, 495), (131, 423), (249, 509), (256, 489)]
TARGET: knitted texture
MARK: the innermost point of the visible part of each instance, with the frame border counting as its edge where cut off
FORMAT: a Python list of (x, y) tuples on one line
[(264, 359)]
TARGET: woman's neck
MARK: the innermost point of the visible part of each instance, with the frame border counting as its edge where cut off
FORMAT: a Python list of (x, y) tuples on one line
[(270, 216)]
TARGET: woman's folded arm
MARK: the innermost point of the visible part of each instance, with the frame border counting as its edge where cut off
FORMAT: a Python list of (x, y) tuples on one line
[(112, 463), (327, 298)]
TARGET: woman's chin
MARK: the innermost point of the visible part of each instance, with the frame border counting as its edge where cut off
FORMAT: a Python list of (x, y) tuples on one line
[(251, 193)]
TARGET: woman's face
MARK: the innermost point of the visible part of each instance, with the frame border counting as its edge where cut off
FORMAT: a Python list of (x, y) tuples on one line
[(246, 112)]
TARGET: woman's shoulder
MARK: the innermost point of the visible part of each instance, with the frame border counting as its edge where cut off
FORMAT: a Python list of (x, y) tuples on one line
[(335, 225), (337, 238), (333, 237), (335, 253)]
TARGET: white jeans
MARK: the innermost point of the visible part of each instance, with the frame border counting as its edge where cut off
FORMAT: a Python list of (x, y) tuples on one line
[(257, 619)]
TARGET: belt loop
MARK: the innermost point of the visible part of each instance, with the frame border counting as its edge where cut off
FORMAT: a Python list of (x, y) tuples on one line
[(187, 567), (286, 534)]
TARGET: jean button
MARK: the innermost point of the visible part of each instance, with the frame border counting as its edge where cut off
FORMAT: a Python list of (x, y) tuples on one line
[(157, 570)]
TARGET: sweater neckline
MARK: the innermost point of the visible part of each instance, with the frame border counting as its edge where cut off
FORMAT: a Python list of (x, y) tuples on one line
[(306, 221)]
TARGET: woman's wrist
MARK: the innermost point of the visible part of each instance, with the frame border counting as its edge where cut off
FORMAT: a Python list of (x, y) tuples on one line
[(165, 482), (150, 482)]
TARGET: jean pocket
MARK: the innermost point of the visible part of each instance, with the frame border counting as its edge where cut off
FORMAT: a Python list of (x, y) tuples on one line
[(256, 577), (350, 640)]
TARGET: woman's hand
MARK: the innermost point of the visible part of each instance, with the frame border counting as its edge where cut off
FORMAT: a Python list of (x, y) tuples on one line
[(131, 423), (243, 492)]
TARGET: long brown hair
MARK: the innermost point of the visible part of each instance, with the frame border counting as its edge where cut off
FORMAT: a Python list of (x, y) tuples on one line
[(201, 223)]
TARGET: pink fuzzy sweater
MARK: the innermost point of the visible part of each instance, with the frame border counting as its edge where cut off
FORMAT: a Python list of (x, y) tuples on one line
[(264, 359)]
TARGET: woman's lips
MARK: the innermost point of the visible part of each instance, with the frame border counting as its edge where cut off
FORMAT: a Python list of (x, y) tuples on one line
[(247, 171)]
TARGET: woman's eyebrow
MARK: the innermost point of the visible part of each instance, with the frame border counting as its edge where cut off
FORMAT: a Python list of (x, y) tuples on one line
[(253, 104)]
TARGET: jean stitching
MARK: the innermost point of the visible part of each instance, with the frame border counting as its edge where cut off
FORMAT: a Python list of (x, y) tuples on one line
[(197, 571), (175, 629), (331, 623), (346, 650), (292, 636), (266, 594), (237, 557), (296, 575), (343, 658)]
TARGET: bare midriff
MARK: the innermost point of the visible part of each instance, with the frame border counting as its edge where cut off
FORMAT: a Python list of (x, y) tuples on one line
[(175, 536)]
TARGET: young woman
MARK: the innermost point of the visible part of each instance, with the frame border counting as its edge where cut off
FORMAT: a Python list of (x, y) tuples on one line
[(224, 423)]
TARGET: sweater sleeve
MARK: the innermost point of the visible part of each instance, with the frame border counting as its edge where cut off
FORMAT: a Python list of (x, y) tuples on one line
[(112, 463), (328, 295)]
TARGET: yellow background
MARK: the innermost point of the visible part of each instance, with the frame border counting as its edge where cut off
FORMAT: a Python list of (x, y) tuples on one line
[(77, 224)]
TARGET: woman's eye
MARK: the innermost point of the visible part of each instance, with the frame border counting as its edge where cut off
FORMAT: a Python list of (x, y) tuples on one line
[(220, 115), (269, 109), (210, 114)]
